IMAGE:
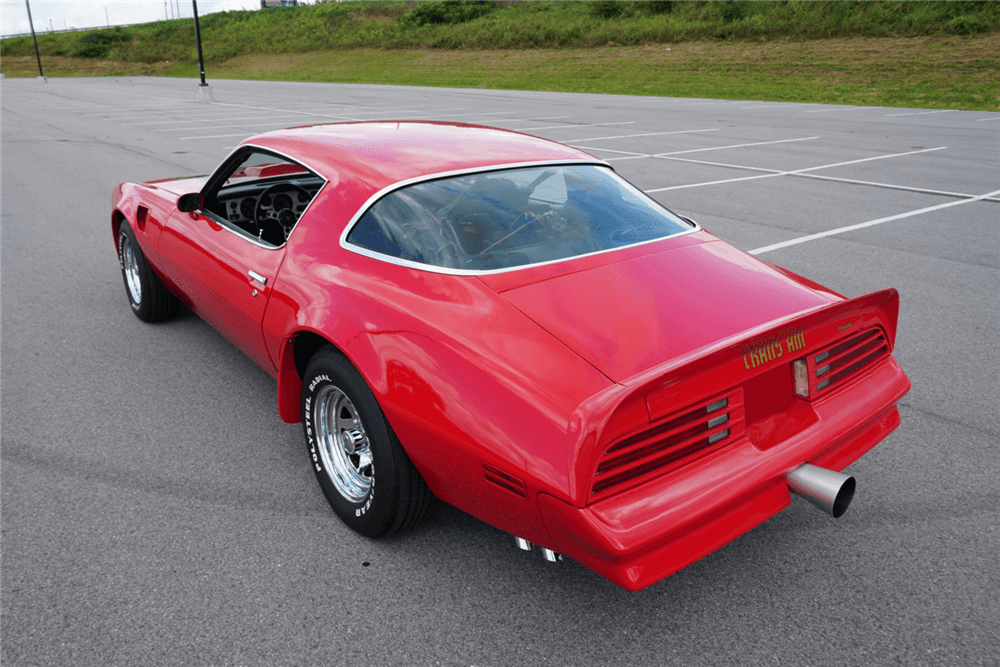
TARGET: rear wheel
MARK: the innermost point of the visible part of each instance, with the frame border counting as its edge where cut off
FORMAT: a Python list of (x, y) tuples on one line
[(365, 475), (150, 300)]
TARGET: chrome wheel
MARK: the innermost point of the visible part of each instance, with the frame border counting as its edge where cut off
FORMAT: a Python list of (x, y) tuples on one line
[(131, 267), (343, 444)]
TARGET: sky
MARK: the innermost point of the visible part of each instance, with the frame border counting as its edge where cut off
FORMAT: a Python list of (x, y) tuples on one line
[(65, 14)]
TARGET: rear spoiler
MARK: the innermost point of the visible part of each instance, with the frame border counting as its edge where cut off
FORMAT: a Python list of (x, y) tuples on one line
[(707, 371)]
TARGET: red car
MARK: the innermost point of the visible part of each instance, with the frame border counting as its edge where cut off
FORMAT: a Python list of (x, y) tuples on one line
[(504, 323)]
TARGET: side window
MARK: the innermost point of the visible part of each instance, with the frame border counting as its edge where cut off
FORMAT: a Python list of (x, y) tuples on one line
[(262, 195)]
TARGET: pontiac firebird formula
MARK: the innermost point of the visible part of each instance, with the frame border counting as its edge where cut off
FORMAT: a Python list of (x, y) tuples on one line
[(503, 322)]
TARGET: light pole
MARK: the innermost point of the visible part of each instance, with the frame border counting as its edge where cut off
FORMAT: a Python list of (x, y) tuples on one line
[(35, 40), (204, 90)]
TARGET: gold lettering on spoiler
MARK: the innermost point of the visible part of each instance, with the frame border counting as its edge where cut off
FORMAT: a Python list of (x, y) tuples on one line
[(774, 349)]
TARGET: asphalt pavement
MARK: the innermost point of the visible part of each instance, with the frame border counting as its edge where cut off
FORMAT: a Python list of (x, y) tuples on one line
[(157, 511)]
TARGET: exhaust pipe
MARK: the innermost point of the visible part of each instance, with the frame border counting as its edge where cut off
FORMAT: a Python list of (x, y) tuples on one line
[(828, 490), (548, 554), (551, 556)]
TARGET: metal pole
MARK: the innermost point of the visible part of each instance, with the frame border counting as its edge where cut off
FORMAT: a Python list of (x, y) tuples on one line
[(197, 37), (34, 39)]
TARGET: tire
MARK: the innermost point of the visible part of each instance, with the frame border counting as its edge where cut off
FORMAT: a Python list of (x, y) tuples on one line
[(149, 298), (367, 478)]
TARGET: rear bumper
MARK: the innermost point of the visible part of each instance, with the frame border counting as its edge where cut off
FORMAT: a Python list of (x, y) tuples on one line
[(643, 535)]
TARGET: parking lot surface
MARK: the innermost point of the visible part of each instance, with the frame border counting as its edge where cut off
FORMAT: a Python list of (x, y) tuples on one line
[(156, 510)]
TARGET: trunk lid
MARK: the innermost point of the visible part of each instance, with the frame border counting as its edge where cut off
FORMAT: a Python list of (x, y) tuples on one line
[(628, 316)]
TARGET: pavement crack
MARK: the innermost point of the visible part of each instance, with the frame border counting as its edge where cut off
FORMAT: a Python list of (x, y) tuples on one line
[(78, 138), (950, 420)]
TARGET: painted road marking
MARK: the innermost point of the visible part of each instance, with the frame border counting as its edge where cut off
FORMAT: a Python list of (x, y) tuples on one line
[(772, 173), (556, 127), (918, 113), (843, 109), (696, 150), (647, 134), (870, 223)]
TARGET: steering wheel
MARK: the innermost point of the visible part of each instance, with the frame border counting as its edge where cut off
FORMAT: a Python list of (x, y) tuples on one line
[(274, 213)]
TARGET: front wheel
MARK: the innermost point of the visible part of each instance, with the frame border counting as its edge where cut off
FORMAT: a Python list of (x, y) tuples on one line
[(365, 475), (149, 298)]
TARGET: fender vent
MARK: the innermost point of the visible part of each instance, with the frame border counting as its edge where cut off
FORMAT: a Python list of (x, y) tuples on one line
[(672, 442), (505, 481), (140, 217), (830, 367)]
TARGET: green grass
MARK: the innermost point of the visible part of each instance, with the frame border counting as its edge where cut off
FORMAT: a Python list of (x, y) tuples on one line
[(511, 25), (928, 54), (911, 72)]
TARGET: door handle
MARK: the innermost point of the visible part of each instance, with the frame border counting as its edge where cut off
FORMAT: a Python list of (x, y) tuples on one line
[(256, 276)]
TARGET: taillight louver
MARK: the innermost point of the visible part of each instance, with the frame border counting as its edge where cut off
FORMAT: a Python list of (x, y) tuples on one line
[(843, 359), (669, 444)]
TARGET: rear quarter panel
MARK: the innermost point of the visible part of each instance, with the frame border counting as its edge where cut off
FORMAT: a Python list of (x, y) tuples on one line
[(463, 378)]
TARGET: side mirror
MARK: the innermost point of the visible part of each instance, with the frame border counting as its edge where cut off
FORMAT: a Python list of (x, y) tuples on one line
[(190, 202)]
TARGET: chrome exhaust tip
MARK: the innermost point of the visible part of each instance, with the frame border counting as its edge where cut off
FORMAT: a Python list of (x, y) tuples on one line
[(828, 490), (551, 556), (523, 544)]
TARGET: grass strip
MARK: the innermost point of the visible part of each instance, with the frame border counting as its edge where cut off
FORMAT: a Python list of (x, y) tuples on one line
[(936, 72)]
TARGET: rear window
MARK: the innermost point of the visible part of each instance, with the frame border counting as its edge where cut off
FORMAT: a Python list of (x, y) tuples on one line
[(510, 218)]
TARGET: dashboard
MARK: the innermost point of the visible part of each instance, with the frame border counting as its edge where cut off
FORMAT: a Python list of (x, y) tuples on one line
[(267, 210)]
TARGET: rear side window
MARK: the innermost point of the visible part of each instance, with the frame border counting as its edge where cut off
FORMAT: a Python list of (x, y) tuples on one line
[(510, 218)]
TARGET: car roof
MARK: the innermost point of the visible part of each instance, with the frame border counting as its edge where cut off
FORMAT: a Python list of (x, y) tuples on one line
[(387, 152)]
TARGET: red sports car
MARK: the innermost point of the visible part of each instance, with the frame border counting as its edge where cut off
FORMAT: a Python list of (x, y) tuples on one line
[(504, 323)]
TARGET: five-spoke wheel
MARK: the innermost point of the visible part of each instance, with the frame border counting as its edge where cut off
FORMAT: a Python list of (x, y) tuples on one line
[(149, 298), (365, 475), (343, 443)]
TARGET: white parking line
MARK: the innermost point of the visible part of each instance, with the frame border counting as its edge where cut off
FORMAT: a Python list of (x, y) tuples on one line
[(716, 148), (248, 116), (870, 223), (315, 115), (719, 148), (218, 108), (571, 125), (229, 126), (841, 109), (698, 150), (820, 177), (435, 115), (281, 122), (983, 120), (772, 173), (787, 105), (632, 155), (536, 119), (890, 186), (213, 117), (918, 113), (141, 112), (647, 134), (218, 136)]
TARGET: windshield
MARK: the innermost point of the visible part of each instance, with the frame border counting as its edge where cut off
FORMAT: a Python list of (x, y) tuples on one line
[(515, 217)]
